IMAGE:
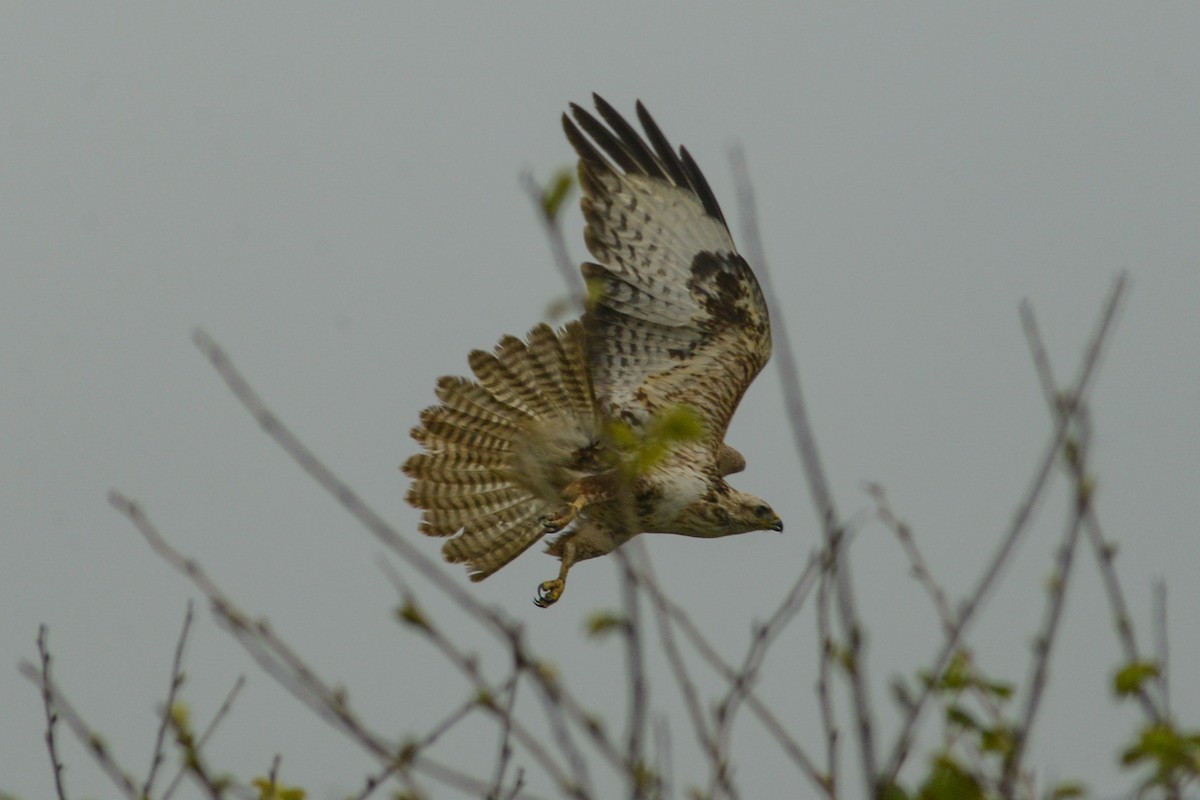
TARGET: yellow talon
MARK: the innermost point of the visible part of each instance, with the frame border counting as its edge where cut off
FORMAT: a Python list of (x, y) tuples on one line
[(564, 516), (553, 523), (548, 593)]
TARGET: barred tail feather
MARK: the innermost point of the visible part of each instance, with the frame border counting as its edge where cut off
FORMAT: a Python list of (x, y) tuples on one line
[(529, 405)]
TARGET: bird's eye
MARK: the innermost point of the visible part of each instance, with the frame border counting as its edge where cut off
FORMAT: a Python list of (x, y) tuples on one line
[(762, 511)]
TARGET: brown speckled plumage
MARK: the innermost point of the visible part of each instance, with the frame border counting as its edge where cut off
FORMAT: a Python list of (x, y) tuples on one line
[(675, 318)]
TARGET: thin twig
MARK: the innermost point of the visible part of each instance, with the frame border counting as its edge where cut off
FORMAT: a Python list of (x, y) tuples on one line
[(769, 721), (1020, 522), (176, 682), (504, 756), (937, 594), (556, 705), (518, 785), (207, 733), (83, 732), (1062, 405), (662, 755), (1048, 635), (920, 569), (709, 745), (416, 618), (552, 226), (1161, 651), (760, 643), (283, 664), (806, 447), (51, 714), (636, 669), (827, 650), (492, 618)]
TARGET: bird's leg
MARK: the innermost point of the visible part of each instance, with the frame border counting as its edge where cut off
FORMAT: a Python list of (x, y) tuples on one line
[(578, 495), (548, 592)]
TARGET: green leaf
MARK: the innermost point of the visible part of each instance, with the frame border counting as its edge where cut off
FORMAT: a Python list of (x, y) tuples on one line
[(556, 191), (1130, 678), (276, 791), (1067, 789), (999, 740), (949, 781), (644, 449), (412, 615), (999, 689), (957, 715), (601, 623), (677, 424)]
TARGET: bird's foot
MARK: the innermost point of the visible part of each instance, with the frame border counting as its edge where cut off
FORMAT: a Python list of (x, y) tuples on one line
[(548, 593), (557, 520)]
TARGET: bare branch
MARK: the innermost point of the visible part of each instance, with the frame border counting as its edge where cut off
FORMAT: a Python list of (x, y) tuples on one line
[(86, 735), (814, 470), (1048, 634), (916, 561), (1020, 522), (208, 731), (172, 691), (492, 618), (769, 721), (417, 618), (824, 674), (763, 637), (1062, 405), (51, 714), (285, 666), (551, 223), (505, 755), (709, 745), (636, 669), (1161, 651)]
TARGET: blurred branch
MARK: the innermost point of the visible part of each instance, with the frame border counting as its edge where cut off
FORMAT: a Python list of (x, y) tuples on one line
[(57, 706), (763, 637), (758, 707), (492, 618), (1020, 522), (208, 731), (279, 661), (46, 686), (1161, 650), (920, 569), (707, 740), (504, 757), (806, 447), (176, 682), (636, 667), (826, 652), (548, 201), (417, 618), (1048, 635), (1062, 404)]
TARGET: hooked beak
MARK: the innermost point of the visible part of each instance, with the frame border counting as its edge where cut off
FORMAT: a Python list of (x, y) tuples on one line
[(778, 526)]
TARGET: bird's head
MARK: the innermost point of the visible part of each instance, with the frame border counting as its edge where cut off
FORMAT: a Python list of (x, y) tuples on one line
[(750, 513), (725, 511)]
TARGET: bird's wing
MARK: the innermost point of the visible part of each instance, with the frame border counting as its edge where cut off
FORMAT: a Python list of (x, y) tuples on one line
[(675, 315)]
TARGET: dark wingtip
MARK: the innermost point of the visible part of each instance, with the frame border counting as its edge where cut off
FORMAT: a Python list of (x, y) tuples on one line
[(597, 143)]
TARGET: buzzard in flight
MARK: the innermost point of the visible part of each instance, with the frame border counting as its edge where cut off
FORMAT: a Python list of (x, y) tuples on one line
[(615, 424)]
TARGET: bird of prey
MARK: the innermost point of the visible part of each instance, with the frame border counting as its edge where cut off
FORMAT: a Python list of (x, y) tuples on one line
[(614, 425)]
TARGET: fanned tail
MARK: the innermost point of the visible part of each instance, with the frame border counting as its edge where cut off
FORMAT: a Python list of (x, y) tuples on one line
[(500, 448)]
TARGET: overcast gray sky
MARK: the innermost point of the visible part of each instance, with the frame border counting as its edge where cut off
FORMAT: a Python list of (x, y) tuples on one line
[(332, 193)]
